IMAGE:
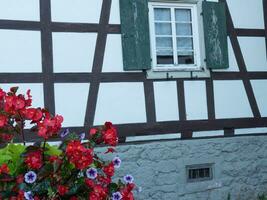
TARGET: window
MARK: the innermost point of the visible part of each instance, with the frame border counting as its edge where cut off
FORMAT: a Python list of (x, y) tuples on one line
[(174, 37), (199, 172)]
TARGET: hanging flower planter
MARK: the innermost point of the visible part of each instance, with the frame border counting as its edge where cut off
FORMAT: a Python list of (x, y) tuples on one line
[(71, 170)]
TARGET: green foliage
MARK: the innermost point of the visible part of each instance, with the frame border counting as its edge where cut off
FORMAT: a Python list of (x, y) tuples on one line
[(11, 155), (262, 197), (52, 150)]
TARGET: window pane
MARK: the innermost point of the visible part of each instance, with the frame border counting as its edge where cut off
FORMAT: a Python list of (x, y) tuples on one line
[(162, 14), (183, 15), (183, 29), (184, 43), (165, 59), (165, 56), (164, 50), (163, 28), (164, 42), (185, 57)]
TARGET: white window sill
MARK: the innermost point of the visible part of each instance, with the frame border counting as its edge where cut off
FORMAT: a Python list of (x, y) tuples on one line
[(153, 74)]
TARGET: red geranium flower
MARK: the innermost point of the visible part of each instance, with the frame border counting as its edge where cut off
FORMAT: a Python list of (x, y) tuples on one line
[(34, 160), (2, 94), (80, 156), (104, 180), (20, 179), (89, 182), (109, 170), (127, 192), (3, 120), (110, 134), (4, 169), (6, 137), (33, 114), (98, 193), (49, 126), (62, 190), (92, 131)]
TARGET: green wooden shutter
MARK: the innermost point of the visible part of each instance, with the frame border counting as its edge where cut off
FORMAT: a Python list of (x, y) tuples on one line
[(135, 34), (215, 33)]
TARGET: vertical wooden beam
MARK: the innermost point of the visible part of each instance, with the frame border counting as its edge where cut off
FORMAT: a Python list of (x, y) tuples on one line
[(97, 63), (47, 55)]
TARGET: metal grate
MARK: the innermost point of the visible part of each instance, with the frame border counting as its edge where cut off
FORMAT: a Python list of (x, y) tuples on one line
[(200, 172)]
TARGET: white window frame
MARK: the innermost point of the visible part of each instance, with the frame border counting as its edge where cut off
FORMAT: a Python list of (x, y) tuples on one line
[(196, 41)]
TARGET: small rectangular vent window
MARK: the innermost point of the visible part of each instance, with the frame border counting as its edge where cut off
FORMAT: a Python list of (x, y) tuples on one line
[(199, 172)]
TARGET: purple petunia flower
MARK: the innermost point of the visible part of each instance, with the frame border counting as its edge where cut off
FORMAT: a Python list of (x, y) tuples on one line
[(117, 162), (91, 173), (28, 195), (30, 177), (116, 196), (128, 178), (82, 136), (64, 133)]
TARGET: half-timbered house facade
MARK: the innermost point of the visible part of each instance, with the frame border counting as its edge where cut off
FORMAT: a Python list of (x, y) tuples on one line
[(191, 72)]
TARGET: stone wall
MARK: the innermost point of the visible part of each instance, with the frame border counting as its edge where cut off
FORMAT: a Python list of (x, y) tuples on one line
[(240, 168)]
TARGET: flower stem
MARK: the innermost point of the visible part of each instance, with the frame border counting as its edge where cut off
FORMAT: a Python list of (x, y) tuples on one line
[(22, 131), (44, 150)]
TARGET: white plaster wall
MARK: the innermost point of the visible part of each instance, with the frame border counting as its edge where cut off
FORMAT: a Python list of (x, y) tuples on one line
[(242, 131), (84, 11), (71, 101), (230, 100), (233, 67), (113, 61), (115, 12), (246, 13), (120, 103), (20, 51), (154, 137), (254, 53), (73, 52), (260, 92), (166, 101), (208, 133), (20, 10), (195, 100)]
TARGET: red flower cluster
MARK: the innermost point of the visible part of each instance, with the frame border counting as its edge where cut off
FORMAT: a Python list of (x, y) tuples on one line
[(15, 110), (98, 193), (62, 190), (33, 114), (49, 126), (18, 108), (4, 169), (109, 169), (2, 94), (15, 103), (80, 156), (6, 137), (127, 192), (3, 120), (34, 160), (110, 135)]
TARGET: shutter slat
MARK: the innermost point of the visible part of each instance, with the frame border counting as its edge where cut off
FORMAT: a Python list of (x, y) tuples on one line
[(215, 33), (135, 34)]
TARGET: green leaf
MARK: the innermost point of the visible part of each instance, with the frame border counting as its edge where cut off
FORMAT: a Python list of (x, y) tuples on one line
[(112, 187), (11, 155), (42, 187), (53, 150)]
